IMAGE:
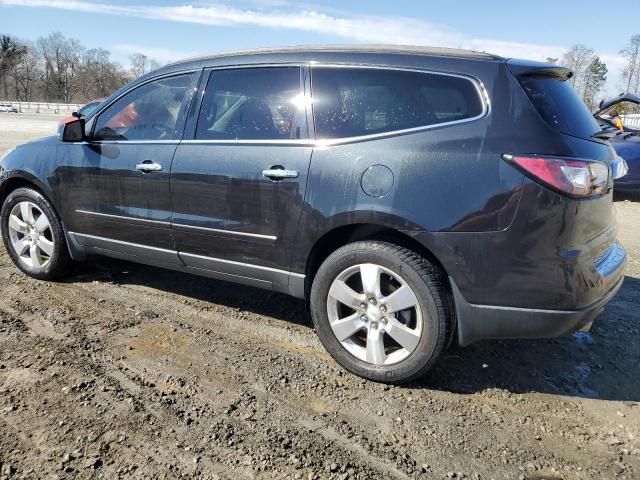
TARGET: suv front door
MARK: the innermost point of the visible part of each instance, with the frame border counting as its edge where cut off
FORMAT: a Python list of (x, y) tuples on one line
[(118, 182), (238, 182)]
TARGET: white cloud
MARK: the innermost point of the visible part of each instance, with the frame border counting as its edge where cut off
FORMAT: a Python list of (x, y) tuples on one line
[(360, 28), (615, 65), (162, 55), (530, 51)]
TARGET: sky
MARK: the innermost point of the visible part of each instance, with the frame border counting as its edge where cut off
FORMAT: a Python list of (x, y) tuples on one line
[(169, 30)]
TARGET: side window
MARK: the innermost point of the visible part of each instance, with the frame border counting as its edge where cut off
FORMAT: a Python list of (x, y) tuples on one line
[(154, 111), (349, 102), (252, 104)]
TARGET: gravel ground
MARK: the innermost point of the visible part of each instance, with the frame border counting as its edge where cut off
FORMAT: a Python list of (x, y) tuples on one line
[(126, 371), (17, 128)]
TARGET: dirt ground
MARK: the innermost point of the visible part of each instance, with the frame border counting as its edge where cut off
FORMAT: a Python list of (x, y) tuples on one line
[(127, 371)]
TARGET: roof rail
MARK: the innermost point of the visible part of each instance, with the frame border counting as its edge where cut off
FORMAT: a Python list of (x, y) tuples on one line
[(374, 48)]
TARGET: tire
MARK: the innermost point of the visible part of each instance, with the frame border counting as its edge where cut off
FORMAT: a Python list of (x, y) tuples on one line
[(380, 339), (41, 240)]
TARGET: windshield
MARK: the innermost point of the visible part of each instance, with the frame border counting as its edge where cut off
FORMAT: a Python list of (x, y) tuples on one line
[(559, 104)]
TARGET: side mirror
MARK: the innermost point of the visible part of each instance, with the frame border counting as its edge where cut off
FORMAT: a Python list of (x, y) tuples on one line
[(71, 130)]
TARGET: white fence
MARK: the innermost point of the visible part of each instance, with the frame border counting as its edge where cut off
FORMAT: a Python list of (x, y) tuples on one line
[(43, 107), (631, 120)]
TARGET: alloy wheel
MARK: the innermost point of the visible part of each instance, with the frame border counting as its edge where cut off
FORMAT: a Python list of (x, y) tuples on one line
[(374, 314), (31, 235)]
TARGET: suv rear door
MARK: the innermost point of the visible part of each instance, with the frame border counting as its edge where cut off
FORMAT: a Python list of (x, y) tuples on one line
[(239, 177)]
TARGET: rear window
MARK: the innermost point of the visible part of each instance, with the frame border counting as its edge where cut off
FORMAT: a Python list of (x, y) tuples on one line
[(559, 105), (252, 104), (350, 102)]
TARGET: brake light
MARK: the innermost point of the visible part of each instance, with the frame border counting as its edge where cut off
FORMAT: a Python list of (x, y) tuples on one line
[(569, 176)]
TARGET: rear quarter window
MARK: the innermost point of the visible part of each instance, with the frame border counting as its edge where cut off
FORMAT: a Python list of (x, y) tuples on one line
[(559, 105), (351, 102)]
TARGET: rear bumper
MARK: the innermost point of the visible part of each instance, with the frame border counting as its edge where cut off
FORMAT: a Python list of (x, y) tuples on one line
[(626, 186), (479, 322)]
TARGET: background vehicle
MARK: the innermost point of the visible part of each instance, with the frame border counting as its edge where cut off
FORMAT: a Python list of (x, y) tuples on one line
[(397, 189), (8, 108), (626, 143), (89, 108)]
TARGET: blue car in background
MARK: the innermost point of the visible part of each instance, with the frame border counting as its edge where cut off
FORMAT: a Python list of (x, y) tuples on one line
[(627, 142), (629, 149)]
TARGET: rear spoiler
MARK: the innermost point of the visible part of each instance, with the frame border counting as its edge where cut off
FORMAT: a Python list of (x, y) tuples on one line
[(526, 67)]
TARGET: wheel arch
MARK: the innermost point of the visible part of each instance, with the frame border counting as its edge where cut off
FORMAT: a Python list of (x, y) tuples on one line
[(26, 180), (341, 235), (345, 234)]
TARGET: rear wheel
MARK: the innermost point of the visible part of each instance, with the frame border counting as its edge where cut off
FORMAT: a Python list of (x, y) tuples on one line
[(381, 311), (33, 235)]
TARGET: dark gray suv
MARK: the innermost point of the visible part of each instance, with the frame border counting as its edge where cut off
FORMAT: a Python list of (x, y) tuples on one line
[(415, 197)]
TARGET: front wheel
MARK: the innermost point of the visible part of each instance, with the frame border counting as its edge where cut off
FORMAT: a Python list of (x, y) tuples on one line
[(381, 311), (33, 235)]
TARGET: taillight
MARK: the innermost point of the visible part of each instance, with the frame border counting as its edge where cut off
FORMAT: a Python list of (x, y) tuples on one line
[(569, 176)]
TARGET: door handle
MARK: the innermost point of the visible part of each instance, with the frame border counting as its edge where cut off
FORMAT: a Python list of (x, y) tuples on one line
[(149, 166), (275, 173)]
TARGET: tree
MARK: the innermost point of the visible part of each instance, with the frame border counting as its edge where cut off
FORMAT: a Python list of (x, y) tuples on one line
[(99, 76), (578, 59), (138, 64), (56, 68), (141, 64), (631, 71), (11, 53), (62, 59), (28, 75), (594, 78)]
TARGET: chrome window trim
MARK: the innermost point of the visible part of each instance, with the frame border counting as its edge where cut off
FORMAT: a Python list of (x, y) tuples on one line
[(203, 257), (179, 225), (300, 143), (395, 133)]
